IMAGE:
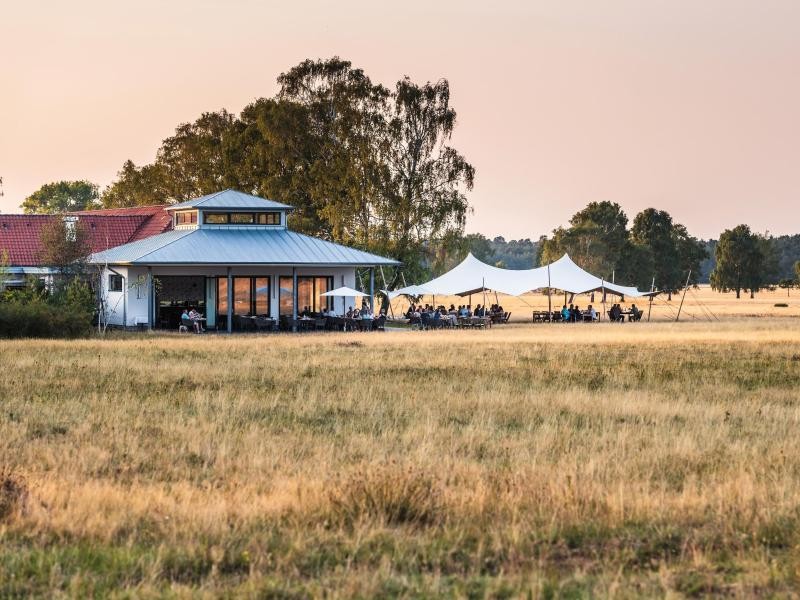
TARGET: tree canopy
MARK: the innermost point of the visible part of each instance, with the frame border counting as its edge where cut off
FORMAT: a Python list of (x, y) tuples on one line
[(61, 197), (362, 165), (743, 261), (598, 240)]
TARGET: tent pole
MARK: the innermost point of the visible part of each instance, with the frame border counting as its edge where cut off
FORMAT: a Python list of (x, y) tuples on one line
[(652, 289), (549, 297), (603, 283), (686, 289), (483, 283), (383, 277)]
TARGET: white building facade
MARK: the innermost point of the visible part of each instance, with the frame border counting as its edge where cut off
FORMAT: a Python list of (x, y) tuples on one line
[(231, 256)]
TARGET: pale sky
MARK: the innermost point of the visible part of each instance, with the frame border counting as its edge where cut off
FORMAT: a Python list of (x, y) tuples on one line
[(692, 106)]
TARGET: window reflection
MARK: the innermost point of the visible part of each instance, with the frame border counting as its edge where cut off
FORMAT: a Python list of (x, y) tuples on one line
[(309, 290), (262, 295), (222, 296), (241, 295)]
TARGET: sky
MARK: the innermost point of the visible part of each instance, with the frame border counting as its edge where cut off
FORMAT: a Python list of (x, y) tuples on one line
[(691, 107)]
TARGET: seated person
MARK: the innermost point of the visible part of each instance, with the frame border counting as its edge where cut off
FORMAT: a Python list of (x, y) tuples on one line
[(577, 315), (186, 320), (592, 313), (480, 311), (616, 314), (196, 323), (636, 314), (565, 314), (365, 312)]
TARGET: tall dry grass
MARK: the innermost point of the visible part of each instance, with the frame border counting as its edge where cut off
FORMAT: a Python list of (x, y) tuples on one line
[(542, 460)]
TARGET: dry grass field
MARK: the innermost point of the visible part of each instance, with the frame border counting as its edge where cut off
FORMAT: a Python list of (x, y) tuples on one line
[(537, 461)]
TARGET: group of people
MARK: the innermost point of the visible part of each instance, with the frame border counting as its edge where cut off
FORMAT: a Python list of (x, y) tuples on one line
[(191, 319), (363, 313), (618, 316), (415, 313), (574, 314)]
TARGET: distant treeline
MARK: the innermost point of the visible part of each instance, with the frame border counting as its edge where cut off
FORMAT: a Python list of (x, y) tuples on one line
[(787, 253), (653, 250)]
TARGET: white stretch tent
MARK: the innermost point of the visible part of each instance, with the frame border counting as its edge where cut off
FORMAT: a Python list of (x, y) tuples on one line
[(473, 276), (409, 290), (343, 293)]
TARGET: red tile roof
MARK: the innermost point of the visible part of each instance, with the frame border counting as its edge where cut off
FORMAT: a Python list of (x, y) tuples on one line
[(20, 234)]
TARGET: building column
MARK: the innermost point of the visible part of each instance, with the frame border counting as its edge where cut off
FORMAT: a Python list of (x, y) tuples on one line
[(230, 302), (372, 290), (294, 298), (151, 299)]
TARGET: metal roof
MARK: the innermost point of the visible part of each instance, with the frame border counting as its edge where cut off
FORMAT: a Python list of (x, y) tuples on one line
[(237, 246), (230, 199)]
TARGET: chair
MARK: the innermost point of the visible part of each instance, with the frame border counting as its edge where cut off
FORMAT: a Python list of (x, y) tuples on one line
[(320, 323), (426, 321), (380, 323), (365, 324), (506, 317), (264, 324)]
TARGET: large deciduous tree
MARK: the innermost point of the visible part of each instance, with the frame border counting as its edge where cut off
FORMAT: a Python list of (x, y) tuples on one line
[(740, 261), (426, 197), (596, 240), (676, 255), (362, 165), (62, 196)]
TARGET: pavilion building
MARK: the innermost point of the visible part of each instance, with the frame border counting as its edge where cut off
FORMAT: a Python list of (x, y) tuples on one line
[(228, 255)]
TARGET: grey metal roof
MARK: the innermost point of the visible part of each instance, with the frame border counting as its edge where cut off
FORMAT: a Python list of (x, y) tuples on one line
[(230, 199), (237, 246)]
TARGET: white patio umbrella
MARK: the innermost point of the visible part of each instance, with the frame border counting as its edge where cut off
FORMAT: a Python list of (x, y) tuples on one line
[(343, 293)]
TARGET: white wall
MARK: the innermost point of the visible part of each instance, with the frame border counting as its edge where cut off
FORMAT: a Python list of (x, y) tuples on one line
[(134, 305)]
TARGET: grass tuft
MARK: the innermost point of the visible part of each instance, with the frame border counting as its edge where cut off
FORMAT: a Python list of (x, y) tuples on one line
[(13, 494), (389, 493)]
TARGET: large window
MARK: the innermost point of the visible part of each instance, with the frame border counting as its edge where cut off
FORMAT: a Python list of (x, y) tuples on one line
[(241, 296), (250, 296), (309, 294), (222, 296), (242, 218), (262, 295), (186, 217)]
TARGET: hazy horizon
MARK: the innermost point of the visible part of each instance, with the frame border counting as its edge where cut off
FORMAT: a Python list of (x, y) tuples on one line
[(687, 107)]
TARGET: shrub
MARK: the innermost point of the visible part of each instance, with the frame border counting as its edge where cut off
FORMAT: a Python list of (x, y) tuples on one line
[(387, 493), (13, 494), (38, 319)]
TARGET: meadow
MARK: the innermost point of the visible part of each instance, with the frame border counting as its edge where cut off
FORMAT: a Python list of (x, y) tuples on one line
[(536, 461)]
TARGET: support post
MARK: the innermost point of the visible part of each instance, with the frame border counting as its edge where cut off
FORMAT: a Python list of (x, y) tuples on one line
[(603, 283), (229, 317), (652, 289), (549, 297), (686, 289), (151, 299), (372, 290), (294, 298)]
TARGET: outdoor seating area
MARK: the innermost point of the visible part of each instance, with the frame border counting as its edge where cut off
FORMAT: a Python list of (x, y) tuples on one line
[(427, 317)]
